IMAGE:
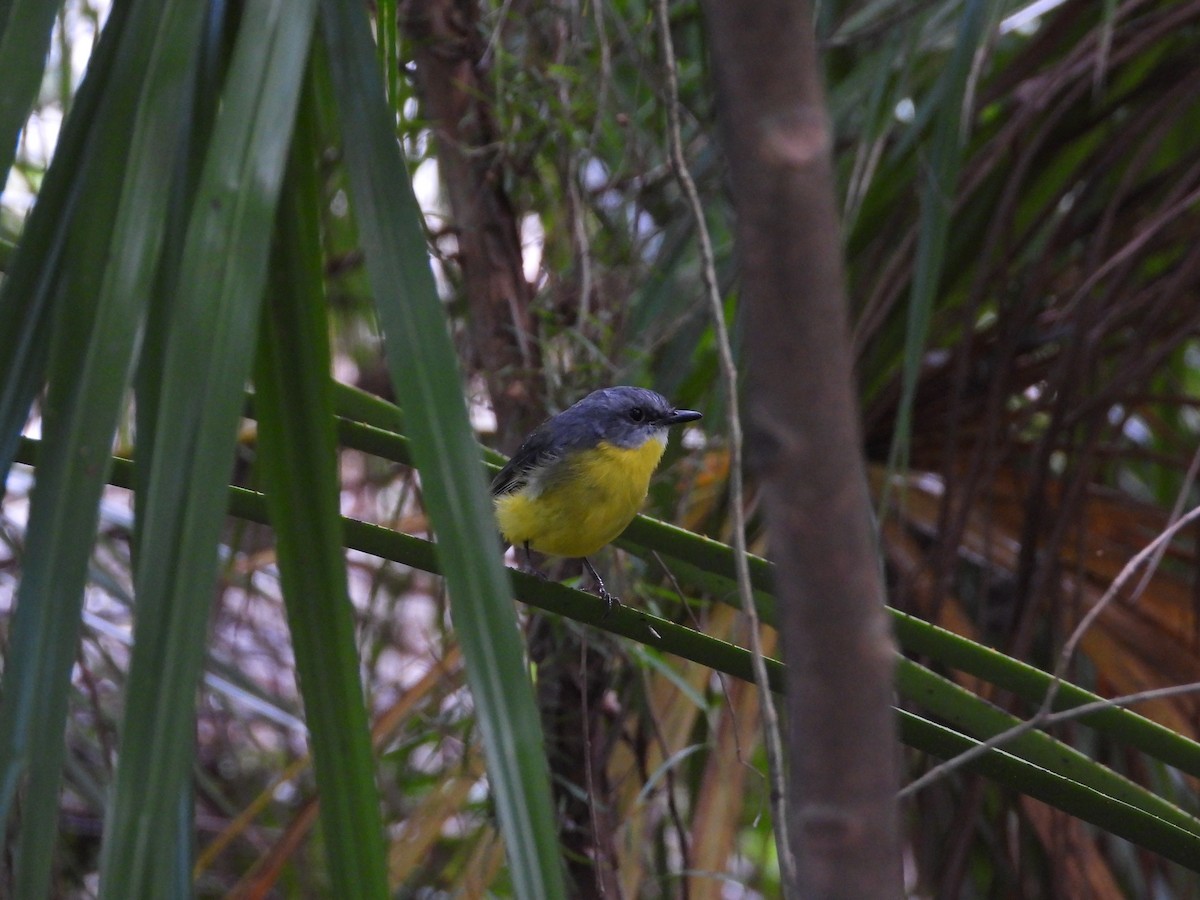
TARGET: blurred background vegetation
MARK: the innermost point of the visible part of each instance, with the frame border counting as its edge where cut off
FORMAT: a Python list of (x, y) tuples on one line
[(1021, 196)]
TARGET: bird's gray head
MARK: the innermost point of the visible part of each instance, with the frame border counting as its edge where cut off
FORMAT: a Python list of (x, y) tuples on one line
[(624, 416)]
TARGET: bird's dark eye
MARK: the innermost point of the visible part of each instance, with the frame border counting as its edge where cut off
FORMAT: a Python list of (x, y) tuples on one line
[(637, 414)]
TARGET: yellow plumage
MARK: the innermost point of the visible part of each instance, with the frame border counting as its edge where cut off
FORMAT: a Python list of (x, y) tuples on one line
[(578, 511)]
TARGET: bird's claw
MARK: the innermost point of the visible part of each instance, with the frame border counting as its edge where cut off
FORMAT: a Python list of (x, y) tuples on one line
[(611, 601)]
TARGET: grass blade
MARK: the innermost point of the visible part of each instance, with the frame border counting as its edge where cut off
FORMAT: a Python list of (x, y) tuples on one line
[(197, 124), (106, 286), (425, 373), (972, 715), (32, 280), (369, 424), (1010, 771), (207, 359), (941, 176), (24, 39), (1078, 786), (297, 459)]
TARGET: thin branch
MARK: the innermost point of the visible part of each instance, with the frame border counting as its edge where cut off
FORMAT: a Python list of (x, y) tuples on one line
[(600, 858), (1045, 720), (729, 378), (1185, 489), (1123, 702), (1146, 553)]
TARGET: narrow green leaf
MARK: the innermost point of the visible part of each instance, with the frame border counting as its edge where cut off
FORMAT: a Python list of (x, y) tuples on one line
[(354, 403), (386, 27), (940, 177), (424, 370), (32, 279), (24, 39), (207, 359), (978, 718), (1030, 684), (709, 564), (1133, 822), (1009, 771), (113, 256), (297, 458), (196, 130)]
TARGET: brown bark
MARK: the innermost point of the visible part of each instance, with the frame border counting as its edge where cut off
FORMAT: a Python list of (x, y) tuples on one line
[(803, 442), (448, 51)]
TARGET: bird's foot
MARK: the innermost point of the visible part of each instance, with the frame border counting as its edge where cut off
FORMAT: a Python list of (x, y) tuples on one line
[(611, 601)]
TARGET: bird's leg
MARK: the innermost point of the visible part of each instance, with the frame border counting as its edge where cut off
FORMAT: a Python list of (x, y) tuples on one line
[(611, 602), (529, 567)]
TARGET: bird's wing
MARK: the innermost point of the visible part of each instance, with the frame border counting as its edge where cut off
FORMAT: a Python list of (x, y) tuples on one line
[(538, 450)]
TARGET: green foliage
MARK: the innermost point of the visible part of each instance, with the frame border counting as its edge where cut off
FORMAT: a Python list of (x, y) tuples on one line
[(295, 397), (1019, 205), (424, 373)]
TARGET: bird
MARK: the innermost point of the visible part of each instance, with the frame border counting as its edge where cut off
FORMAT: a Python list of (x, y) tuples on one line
[(581, 476)]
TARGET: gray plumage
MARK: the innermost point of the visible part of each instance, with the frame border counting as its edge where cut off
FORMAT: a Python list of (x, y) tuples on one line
[(624, 416)]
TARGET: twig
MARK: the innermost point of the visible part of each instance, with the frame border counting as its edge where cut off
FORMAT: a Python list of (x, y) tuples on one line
[(1078, 712), (1043, 714), (600, 858), (1180, 501), (721, 676), (729, 377), (1045, 720), (668, 771), (1147, 552)]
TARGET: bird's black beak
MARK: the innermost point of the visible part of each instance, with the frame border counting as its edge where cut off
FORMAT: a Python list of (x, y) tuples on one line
[(682, 415)]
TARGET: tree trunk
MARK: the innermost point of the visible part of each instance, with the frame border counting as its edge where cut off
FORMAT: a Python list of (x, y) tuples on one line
[(803, 442), (448, 49)]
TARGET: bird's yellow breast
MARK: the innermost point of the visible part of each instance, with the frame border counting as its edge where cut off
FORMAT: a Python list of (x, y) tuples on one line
[(584, 504)]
